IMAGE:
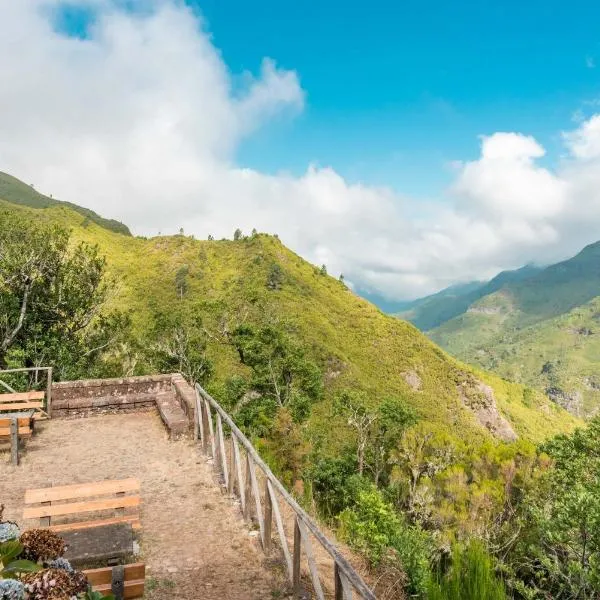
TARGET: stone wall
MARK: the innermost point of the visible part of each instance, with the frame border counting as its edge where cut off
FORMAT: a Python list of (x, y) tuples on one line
[(80, 398)]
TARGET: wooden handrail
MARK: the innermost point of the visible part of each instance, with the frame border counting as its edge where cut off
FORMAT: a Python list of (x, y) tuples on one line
[(346, 579), (35, 370)]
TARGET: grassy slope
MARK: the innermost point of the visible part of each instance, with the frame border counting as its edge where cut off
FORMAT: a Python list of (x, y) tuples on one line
[(17, 192), (525, 325), (356, 344), (433, 311)]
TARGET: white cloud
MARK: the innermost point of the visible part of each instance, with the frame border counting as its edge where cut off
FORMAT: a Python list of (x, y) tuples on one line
[(590, 63), (141, 122)]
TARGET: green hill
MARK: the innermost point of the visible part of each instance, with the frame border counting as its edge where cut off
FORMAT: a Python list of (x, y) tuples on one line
[(432, 311), (15, 191), (355, 344), (540, 331)]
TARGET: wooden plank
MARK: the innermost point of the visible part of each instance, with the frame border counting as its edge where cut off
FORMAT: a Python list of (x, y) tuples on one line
[(22, 406), (81, 490), (198, 433), (23, 432), (102, 576), (223, 460), (280, 529), (248, 490), (133, 589), (133, 519), (21, 421), (256, 494), (73, 508), (310, 557), (22, 396)]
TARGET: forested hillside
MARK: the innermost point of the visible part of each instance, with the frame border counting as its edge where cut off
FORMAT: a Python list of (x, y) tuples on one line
[(411, 455)]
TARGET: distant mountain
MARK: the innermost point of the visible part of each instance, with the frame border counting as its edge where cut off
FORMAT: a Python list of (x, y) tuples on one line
[(15, 191), (432, 311), (542, 330)]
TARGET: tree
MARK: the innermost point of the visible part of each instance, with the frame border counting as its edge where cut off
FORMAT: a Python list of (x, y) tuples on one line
[(254, 232), (323, 270), (211, 238), (558, 551), (423, 451), (181, 283), (377, 427), (237, 235), (342, 278), (51, 292), (181, 231), (281, 371), (180, 345)]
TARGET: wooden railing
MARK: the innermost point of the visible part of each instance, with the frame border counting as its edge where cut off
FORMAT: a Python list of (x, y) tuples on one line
[(33, 379), (209, 429)]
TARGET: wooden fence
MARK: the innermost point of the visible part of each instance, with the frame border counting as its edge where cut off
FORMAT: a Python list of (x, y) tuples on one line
[(34, 381), (238, 471)]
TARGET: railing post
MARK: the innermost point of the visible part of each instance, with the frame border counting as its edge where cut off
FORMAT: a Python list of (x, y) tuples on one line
[(296, 558), (339, 588), (232, 473), (248, 489), (268, 517)]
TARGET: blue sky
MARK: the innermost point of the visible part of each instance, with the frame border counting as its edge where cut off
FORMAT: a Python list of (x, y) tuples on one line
[(395, 90), (407, 145)]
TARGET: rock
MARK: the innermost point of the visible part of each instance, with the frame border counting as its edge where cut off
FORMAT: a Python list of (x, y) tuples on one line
[(479, 398), (413, 380)]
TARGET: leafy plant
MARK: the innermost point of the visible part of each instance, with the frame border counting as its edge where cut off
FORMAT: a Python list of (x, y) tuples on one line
[(10, 565)]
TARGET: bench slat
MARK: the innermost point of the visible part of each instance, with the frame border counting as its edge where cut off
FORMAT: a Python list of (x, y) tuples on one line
[(22, 406), (22, 421), (22, 396), (133, 519), (81, 490), (103, 576), (132, 589), (71, 508), (23, 432)]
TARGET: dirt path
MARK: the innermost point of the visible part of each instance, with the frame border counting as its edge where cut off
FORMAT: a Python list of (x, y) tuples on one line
[(193, 539)]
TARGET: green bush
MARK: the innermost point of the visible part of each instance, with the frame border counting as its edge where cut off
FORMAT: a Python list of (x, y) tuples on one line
[(471, 577)]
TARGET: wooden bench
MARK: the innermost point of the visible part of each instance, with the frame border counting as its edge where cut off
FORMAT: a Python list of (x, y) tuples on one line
[(14, 428), (124, 582), (24, 401), (111, 501)]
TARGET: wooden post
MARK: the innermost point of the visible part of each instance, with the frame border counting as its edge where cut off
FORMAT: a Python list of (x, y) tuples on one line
[(268, 518), (231, 486), (14, 441), (238, 471), (117, 584), (49, 392), (247, 490), (297, 555), (223, 461), (339, 588)]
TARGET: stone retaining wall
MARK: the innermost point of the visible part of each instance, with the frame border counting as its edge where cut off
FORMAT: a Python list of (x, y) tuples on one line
[(89, 396)]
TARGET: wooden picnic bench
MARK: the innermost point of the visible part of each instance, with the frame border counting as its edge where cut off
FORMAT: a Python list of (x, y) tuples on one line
[(106, 502), (24, 401), (14, 427), (125, 582)]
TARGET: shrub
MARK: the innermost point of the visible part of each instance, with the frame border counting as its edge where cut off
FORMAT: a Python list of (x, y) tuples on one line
[(471, 577)]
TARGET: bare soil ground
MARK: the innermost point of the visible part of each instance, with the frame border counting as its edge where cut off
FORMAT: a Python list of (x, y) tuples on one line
[(193, 540)]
